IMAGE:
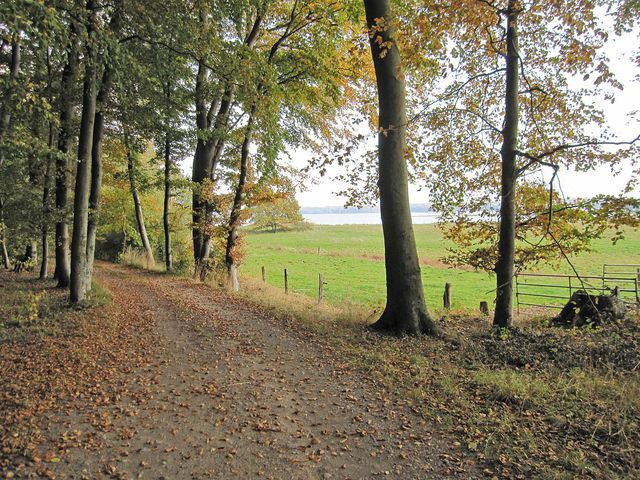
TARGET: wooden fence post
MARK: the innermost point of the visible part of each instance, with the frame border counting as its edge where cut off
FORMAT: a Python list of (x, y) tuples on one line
[(320, 288), (286, 281), (264, 275), (446, 298), (484, 308)]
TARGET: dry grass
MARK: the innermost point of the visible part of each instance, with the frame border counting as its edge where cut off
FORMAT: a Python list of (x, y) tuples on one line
[(138, 259)]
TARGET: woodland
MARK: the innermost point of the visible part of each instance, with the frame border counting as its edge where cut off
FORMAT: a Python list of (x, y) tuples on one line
[(89, 88), (167, 128)]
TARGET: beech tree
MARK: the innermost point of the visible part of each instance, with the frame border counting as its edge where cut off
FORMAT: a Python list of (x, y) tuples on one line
[(508, 112), (63, 169), (6, 110), (405, 311), (98, 78), (290, 93)]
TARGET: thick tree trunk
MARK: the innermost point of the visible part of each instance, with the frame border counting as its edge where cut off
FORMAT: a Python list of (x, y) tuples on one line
[(503, 316), (234, 217), (142, 230), (63, 169), (79, 279), (405, 311)]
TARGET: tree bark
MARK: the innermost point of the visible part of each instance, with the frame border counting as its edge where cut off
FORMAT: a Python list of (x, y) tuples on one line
[(46, 211), (142, 230), (234, 217), (168, 262), (3, 238), (14, 70), (405, 311), (5, 120), (208, 152), (63, 168), (96, 169), (503, 316), (79, 279)]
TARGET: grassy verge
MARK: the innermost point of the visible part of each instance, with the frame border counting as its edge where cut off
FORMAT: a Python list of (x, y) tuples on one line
[(536, 402), (32, 307)]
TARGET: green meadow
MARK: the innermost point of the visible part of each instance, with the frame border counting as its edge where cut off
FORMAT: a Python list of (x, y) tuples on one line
[(351, 259)]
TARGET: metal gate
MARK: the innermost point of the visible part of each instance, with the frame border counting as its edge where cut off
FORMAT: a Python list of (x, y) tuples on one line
[(554, 290)]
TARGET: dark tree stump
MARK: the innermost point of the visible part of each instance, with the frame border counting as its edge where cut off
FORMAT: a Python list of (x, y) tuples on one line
[(583, 309)]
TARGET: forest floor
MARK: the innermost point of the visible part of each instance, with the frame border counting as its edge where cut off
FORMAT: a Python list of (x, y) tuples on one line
[(162, 377)]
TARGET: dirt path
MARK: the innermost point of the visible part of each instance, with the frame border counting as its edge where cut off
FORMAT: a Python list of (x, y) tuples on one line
[(229, 393)]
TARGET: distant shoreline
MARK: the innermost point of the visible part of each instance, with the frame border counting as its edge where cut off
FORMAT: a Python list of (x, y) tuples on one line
[(340, 210), (363, 218)]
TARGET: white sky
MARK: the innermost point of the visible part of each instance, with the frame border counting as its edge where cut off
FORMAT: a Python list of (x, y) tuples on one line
[(574, 184)]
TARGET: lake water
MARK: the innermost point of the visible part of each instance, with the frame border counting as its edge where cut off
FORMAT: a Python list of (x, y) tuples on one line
[(363, 218)]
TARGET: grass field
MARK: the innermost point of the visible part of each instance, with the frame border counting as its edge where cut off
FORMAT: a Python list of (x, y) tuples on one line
[(351, 259)]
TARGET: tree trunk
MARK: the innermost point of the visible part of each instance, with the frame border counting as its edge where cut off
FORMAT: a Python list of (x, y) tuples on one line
[(3, 239), (63, 169), (46, 213), (205, 150), (32, 252), (96, 170), (167, 189), (9, 97), (211, 151), (142, 230), (208, 152), (405, 311), (79, 279), (5, 119), (234, 217), (167, 202), (503, 316)]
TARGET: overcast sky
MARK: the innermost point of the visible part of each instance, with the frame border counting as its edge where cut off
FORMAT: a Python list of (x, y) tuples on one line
[(574, 184)]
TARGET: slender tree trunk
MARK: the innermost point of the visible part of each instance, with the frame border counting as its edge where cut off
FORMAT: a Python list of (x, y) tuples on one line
[(46, 211), (14, 70), (234, 217), (138, 206), (503, 316), (405, 311), (3, 238), (167, 189), (79, 279), (168, 262), (32, 253), (208, 153), (63, 169), (5, 119), (212, 152)]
